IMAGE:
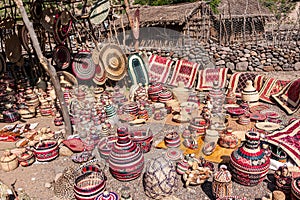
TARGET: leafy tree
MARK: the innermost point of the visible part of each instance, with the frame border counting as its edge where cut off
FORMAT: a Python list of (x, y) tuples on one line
[(214, 5)]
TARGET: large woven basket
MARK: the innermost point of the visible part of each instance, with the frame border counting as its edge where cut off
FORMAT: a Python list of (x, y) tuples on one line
[(90, 182), (160, 179)]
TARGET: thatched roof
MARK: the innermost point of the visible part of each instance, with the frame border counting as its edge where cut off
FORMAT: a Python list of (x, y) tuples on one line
[(176, 14), (242, 8)]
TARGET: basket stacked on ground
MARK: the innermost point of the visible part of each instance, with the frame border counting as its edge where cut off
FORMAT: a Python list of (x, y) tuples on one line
[(90, 182), (249, 164), (46, 150), (126, 160), (296, 188)]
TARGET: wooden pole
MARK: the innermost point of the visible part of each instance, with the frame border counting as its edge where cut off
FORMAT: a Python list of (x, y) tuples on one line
[(127, 9), (48, 68)]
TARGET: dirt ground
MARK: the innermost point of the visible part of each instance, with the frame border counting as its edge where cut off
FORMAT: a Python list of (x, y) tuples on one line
[(36, 179)]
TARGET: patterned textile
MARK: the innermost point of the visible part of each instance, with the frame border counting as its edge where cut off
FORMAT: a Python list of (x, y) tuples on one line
[(208, 76), (238, 82), (159, 68), (184, 71), (288, 139), (271, 87), (289, 97)]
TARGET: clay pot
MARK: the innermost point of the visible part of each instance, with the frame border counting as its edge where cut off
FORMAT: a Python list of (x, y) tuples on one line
[(8, 161)]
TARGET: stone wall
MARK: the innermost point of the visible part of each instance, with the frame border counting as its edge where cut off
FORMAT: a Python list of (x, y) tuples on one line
[(239, 57)]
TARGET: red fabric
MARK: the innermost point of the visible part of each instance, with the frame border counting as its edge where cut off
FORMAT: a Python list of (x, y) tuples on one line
[(271, 87), (159, 68), (208, 76), (184, 71)]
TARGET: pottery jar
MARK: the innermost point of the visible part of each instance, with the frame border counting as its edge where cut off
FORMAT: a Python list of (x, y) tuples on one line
[(8, 161), (222, 184), (249, 164)]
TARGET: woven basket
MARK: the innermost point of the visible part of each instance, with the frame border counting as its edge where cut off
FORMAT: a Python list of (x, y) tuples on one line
[(160, 179), (90, 182)]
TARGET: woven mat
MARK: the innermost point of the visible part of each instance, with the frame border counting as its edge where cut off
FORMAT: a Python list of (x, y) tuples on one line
[(271, 87), (186, 72), (159, 68), (238, 82), (288, 139), (220, 154), (209, 75)]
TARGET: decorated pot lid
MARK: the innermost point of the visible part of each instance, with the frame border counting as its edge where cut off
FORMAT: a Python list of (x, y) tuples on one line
[(114, 61), (75, 144), (271, 113), (62, 56), (267, 126), (100, 74), (99, 11), (24, 37), (62, 26), (107, 196), (173, 154), (37, 10), (83, 65)]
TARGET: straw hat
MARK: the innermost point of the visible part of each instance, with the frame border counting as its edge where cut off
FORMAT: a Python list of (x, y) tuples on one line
[(136, 24), (62, 27), (68, 77), (2, 63), (37, 10), (83, 65), (114, 61), (24, 37), (100, 75), (100, 11), (48, 19), (62, 56), (13, 48)]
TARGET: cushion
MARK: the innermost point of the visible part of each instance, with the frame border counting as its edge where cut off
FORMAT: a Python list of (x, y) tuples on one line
[(184, 71), (207, 76), (271, 87), (289, 97), (238, 82)]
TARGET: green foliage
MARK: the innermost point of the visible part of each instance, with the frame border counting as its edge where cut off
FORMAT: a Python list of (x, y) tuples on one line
[(280, 8), (160, 2), (214, 5)]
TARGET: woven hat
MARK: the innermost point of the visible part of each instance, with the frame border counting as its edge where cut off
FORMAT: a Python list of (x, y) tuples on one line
[(2, 63), (13, 48), (136, 24), (24, 37), (37, 10), (100, 75), (114, 61), (68, 77), (62, 56), (83, 65), (48, 19), (100, 11), (62, 27)]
